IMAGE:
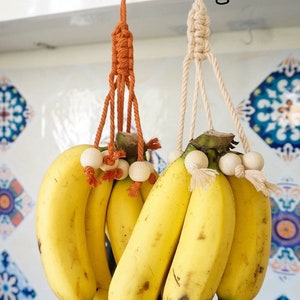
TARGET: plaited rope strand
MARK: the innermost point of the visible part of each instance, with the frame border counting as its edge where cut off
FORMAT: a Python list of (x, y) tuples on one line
[(183, 104), (194, 109), (229, 103), (204, 96), (201, 49), (198, 47), (125, 59), (185, 78)]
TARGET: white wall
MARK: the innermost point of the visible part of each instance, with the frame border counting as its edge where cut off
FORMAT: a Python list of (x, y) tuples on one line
[(66, 87)]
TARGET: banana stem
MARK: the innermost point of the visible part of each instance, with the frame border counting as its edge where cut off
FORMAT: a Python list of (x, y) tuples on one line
[(212, 139), (128, 141)]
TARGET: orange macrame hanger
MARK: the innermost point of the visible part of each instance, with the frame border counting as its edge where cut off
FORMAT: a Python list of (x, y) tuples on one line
[(121, 77)]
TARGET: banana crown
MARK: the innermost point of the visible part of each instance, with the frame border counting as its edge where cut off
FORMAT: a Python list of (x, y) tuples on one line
[(120, 160), (212, 152)]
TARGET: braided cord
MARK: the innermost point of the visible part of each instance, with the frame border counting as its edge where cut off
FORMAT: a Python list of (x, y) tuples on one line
[(198, 51), (121, 78)]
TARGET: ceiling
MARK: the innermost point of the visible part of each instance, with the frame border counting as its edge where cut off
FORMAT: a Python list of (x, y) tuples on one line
[(147, 19)]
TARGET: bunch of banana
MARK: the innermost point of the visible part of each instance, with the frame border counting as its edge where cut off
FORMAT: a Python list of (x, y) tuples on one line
[(165, 227), (72, 219), (201, 231)]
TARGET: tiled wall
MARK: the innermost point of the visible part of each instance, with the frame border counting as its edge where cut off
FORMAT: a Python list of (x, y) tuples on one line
[(44, 110)]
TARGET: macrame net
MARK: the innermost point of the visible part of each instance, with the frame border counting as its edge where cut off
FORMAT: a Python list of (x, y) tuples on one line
[(198, 50), (121, 78)]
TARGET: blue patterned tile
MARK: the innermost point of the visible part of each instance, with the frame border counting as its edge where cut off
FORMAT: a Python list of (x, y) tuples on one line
[(283, 297), (15, 203), (14, 113), (273, 109), (13, 284), (285, 251), (158, 162)]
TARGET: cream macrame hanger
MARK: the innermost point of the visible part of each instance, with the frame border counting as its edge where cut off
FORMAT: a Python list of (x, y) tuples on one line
[(198, 33), (198, 51)]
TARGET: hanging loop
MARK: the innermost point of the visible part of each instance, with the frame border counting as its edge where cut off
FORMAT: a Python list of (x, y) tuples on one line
[(198, 31), (222, 3)]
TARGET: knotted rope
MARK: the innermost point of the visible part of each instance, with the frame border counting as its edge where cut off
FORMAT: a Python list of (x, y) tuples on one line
[(198, 50), (121, 77)]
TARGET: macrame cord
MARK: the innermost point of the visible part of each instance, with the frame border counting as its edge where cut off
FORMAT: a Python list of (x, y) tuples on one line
[(120, 78), (198, 50)]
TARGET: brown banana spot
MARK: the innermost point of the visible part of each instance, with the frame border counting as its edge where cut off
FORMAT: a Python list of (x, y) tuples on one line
[(39, 246), (176, 278), (259, 270), (201, 236), (144, 288)]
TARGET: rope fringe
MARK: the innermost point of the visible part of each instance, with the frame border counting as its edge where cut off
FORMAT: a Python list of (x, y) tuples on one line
[(91, 176), (134, 188), (202, 177), (257, 178), (153, 144), (152, 178)]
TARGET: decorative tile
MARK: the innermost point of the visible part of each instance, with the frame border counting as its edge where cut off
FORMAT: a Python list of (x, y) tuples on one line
[(285, 250), (283, 297), (14, 113), (158, 162), (15, 203), (13, 284), (273, 109)]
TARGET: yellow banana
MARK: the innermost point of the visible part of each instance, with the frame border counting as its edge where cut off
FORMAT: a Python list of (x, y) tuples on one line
[(142, 268), (95, 218), (147, 185), (60, 227), (122, 213), (101, 295), (204, 243), (248, 260)]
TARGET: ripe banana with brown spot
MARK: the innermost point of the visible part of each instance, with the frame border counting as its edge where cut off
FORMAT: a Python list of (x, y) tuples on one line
[(122, 213), (148, 185), (204, 243), (95, 218), (101, 295), (248, 260), (144, 264), (60, 227)]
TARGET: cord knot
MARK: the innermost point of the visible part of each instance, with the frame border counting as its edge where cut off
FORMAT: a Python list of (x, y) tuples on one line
[(123, 45), (198, 31)]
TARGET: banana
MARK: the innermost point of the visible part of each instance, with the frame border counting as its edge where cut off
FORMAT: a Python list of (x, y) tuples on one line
[(101, 295), (95, 218), (60, 227), (142, 268), (147, 185), (248, 260), (122, 213), (204, 243)]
